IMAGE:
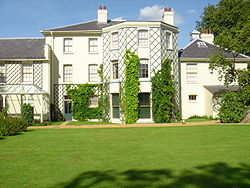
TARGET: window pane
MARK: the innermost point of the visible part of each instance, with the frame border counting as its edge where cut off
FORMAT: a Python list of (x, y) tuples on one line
[(144, 112), (143, 38), (2, 73), (27, 73), (115, 69), (116, 112), (143, 68), (67, 73), (68, 45), (115, 99), (93, 102), (93, 45), (144, 99), (115, 40), (93, 73)]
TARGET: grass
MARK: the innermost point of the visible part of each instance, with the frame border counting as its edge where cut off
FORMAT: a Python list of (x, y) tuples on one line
[(198, 120), (198, 156), (88, 123)]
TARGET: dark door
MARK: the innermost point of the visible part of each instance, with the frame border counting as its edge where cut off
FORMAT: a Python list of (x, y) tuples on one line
[(67, 110)]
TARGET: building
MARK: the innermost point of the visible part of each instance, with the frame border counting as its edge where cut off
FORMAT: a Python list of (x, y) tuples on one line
[(78, 50), (199, 85), (24, 78)]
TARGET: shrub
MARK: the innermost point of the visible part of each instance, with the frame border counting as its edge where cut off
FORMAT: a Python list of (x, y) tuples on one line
[(10, 126), (27, 113), (233, 107), (4, 112)]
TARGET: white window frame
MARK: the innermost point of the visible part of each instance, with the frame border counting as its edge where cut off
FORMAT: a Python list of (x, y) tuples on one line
[(27, 73), (115, 71), (93, 45), (192, 72), (67, 73), (2, 73), (93, 73), (68, 45), (143, 38), (114, 40), (144, 62)]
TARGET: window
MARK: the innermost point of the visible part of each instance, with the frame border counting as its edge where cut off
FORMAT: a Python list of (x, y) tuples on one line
[(115, 70), (27, 73), (28, 99), (169, 40), (192, 97), (143, 68), (143, 38), (115, 40), (93, 45), (2, 73), (115, 105), (93, 73), (68, 45), (201, 45), (144, 105), (191, 72), (93, 101), (67, 73)]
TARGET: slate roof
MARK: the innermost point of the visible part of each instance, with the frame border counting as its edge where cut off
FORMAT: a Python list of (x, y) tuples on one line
[(86, 26), (22, 48), (201, 49), (219, 89)]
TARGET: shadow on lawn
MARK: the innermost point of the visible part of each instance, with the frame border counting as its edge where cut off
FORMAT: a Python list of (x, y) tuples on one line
[(217, 175)]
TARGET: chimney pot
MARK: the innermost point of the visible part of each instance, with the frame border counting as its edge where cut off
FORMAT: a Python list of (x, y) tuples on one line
[(100, 7), (104, 7), (168, 16), (167, 9)]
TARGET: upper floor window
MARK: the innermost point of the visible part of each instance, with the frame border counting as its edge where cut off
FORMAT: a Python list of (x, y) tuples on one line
[(93, 45), (192, 72), (2, 73), (67, 44), (143, 68), (67, 73), (27, 72), (115, 69), (93, 73), (143, 38), (169, 40), (115, 40)]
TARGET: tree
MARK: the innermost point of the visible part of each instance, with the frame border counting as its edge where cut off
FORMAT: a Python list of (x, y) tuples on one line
[(230, 22)]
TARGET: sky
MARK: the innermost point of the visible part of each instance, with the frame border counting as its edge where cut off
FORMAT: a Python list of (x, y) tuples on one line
[(26, 18)]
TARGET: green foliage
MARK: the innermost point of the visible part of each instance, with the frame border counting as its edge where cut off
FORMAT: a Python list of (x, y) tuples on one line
[(27, 113), (131, 87), (233, 106), (4, 112), (104, 103), (10, 126), (80, 96), (163, 94), (230, 22)]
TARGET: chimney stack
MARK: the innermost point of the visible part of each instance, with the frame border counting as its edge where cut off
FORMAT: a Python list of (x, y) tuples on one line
[(194, 35), (207, 36), (168, 16), (102, 14)]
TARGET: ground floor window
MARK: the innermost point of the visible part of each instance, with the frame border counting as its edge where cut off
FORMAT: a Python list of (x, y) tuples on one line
[(144, 105), (115, 105)]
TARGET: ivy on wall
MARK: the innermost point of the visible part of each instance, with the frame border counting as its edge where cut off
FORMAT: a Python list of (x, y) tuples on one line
[(129, 91), (104, 102), (80, 96), (163, 94)]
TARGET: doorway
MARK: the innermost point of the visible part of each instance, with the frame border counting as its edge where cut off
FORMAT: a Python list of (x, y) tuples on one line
[(67, 109)]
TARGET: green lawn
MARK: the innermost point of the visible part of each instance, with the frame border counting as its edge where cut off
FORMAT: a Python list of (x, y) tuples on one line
[(198, 120), (195, 157)]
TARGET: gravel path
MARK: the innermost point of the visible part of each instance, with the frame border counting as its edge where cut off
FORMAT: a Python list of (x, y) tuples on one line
[(65, 126)]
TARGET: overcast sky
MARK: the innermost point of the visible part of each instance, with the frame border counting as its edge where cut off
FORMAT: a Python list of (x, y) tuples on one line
[(25, 18)]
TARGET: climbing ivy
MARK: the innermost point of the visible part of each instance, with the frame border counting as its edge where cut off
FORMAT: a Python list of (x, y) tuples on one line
[(104, 103), (80, 96), (163, 94), (131, 88)]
